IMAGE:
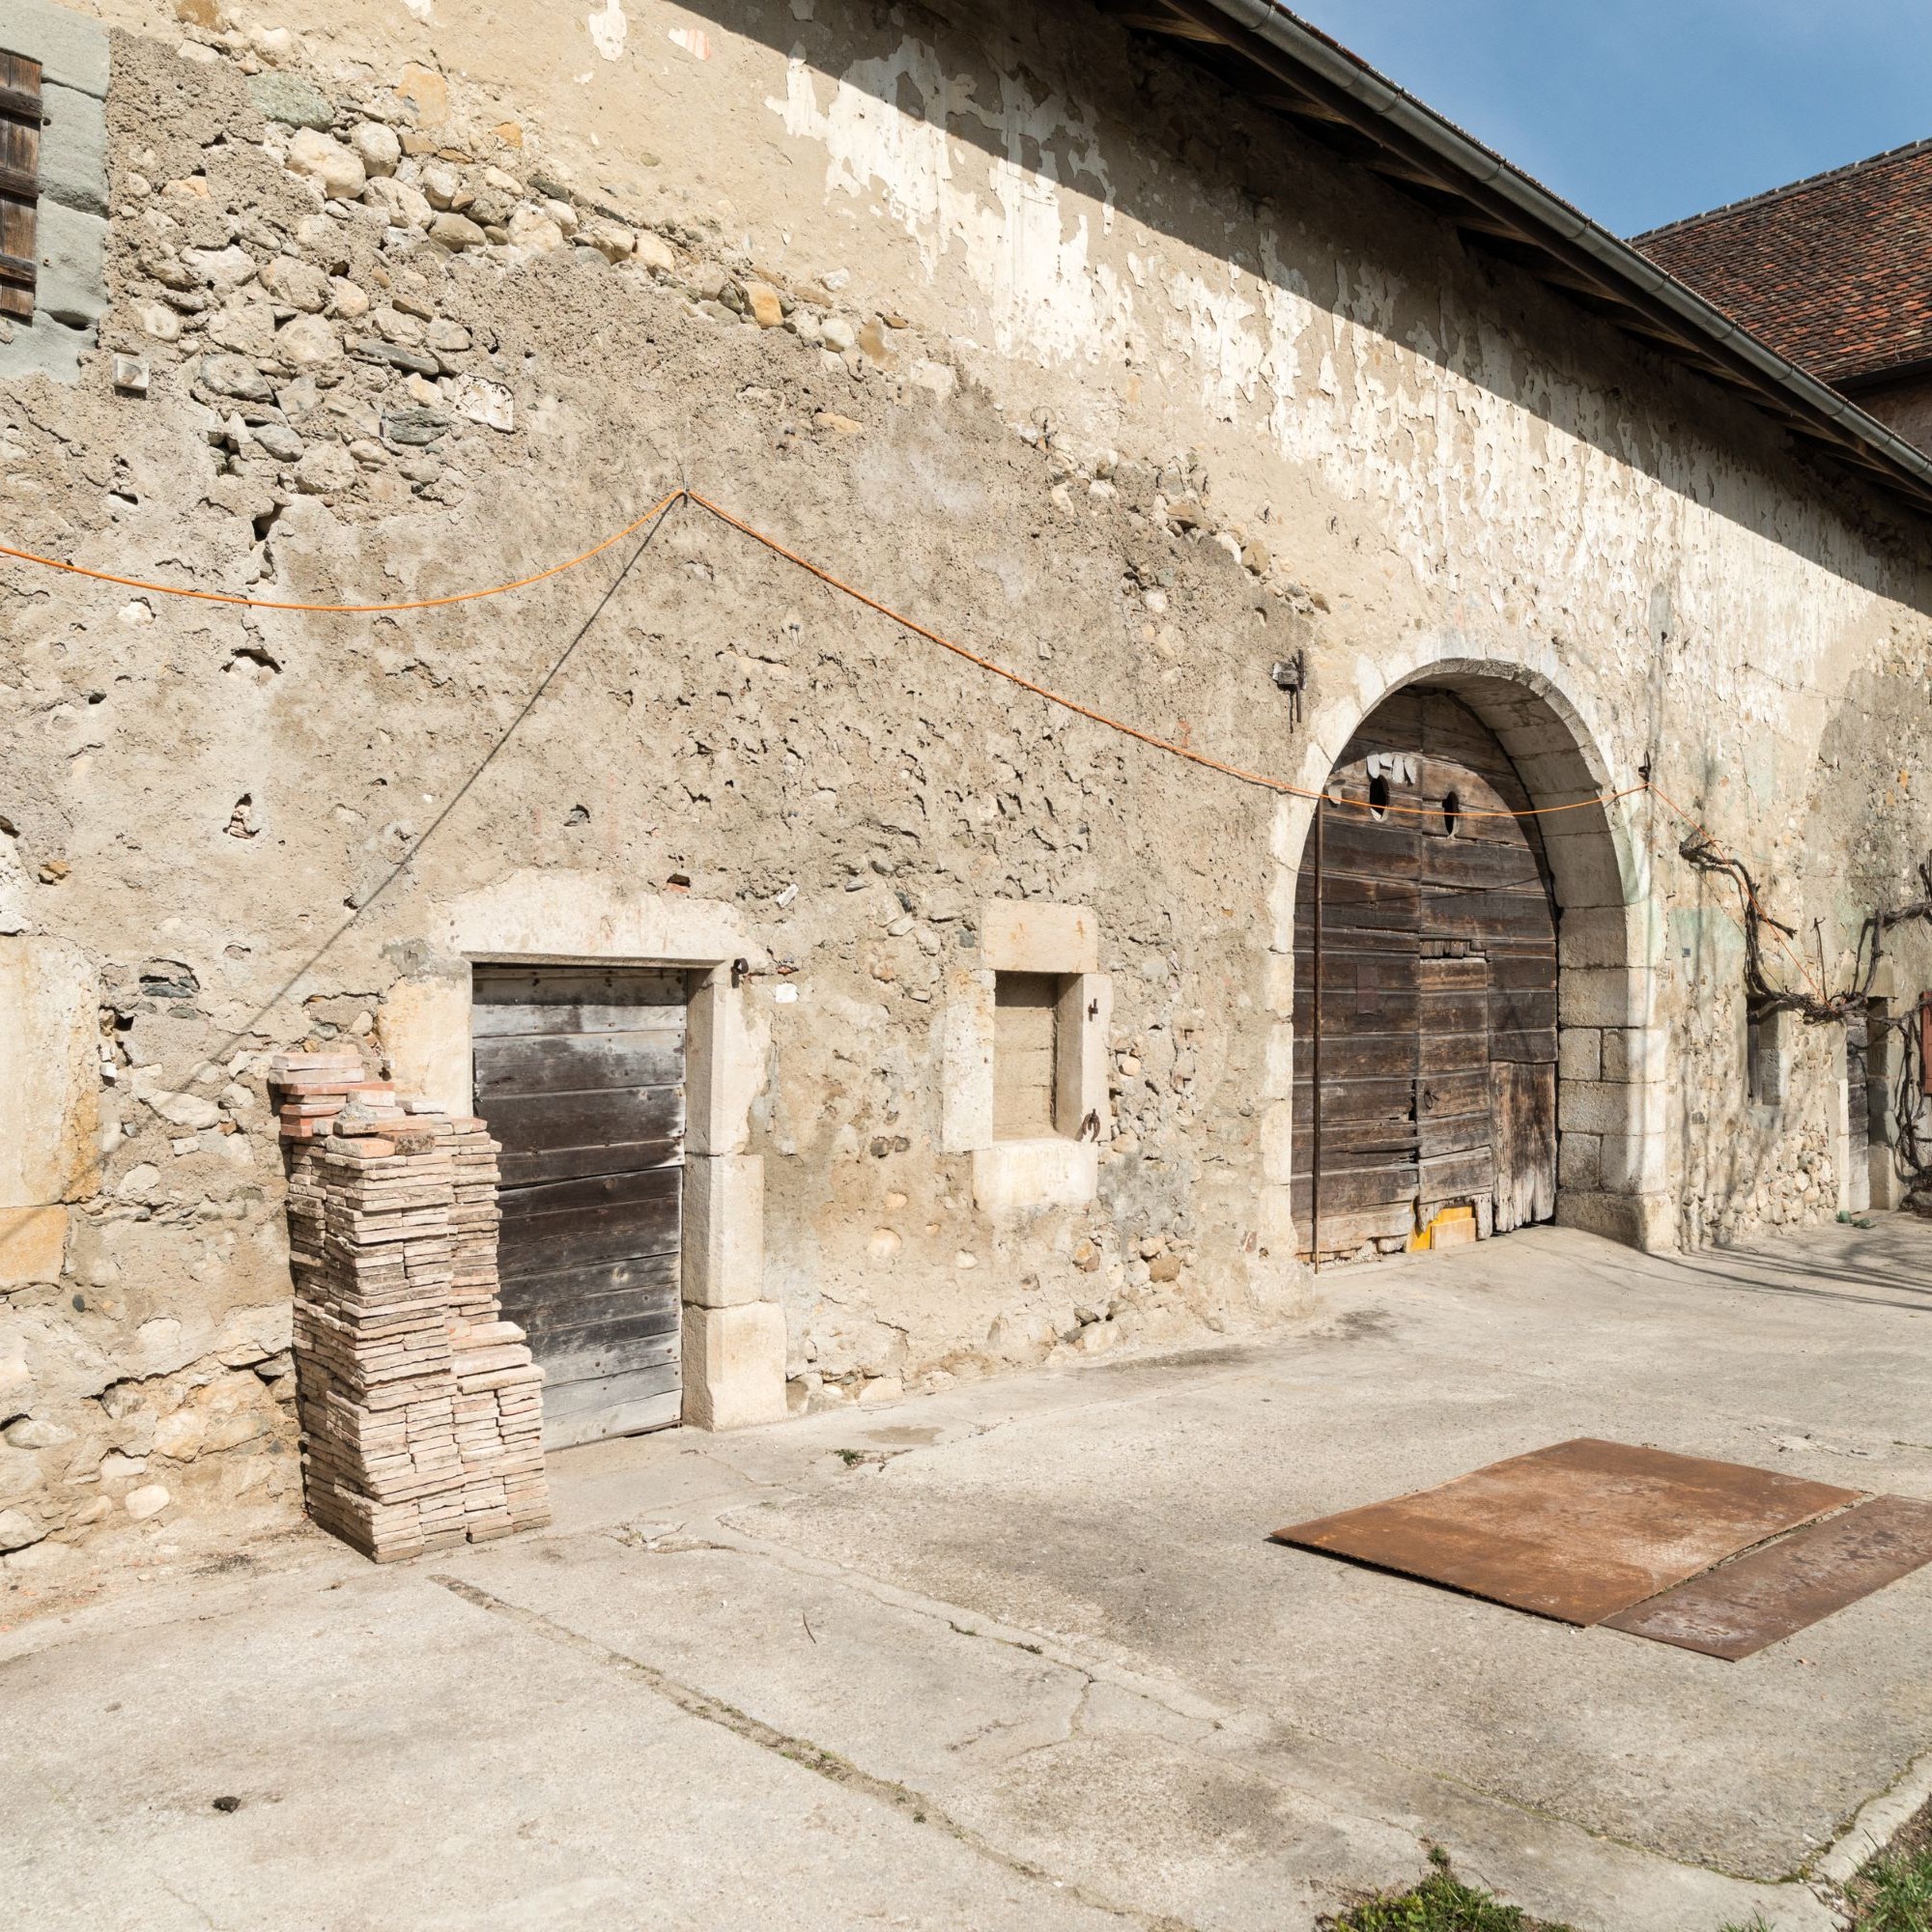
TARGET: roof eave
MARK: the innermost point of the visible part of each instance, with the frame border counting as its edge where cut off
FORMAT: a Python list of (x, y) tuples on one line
[(1499, 204)]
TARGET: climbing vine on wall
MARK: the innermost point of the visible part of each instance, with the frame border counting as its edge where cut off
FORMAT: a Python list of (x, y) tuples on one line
[(1821, 1007)]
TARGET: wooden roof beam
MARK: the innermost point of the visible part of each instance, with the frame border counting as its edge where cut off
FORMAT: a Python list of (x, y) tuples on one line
[(1142, 18)]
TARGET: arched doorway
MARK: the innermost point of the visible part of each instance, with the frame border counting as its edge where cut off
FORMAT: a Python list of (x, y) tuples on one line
[(1435, 1059)]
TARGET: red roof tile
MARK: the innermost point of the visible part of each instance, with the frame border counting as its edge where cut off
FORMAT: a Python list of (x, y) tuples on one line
[(1833, 272)]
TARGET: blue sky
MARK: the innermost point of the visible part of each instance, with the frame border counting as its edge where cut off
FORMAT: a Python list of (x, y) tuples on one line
[(1641, 111)]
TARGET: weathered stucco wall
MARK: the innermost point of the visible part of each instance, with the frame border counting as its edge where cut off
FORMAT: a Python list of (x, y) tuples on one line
[(1009, 321)]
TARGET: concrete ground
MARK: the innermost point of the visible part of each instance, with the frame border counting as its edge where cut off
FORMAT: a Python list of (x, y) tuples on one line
[(1019, 1655)]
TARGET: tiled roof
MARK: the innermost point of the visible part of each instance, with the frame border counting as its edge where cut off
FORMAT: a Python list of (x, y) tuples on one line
[(1834, 272)]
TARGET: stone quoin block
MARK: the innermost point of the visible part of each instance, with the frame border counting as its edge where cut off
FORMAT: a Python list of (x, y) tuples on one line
[(1277, 1240), (71, 237), (1278, 984), (32, 1242), (1281, 891), (1580, 1053), (1580, 1161), (73, 149), (1604, 996), (966, 1060), (70, 47), (1583, 863), (1646, 1222), (1610, 1107), (1016, 1176), (70, 289), (1278, 1142), (426, 1030), (723, 1235), (1033, 936), (49, 1073), (1594, 936), (1635, 1053), (1083, 1107), (1278, 1066), (1635, 1163), (734, 1366)]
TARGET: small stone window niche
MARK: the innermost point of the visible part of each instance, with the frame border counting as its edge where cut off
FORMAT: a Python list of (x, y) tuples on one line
[(1025, 1052), (1026, 1034)]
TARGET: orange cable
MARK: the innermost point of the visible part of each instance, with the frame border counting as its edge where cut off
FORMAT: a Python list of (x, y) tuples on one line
[(1073, 704), (344, 610), (1179, 750), (1168, 745), (1171, 747)]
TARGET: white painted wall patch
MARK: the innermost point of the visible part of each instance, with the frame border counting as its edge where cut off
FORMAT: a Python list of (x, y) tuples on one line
[(608, 30)]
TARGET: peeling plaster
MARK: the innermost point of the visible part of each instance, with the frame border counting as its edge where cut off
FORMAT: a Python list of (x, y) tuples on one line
[(1026, 249), (608, 30)]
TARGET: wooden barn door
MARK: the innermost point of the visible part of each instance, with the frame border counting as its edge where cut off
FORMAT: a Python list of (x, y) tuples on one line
[(580, 1073), (1438, 996)]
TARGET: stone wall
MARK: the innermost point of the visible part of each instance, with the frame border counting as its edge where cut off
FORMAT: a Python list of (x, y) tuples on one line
[(1126, 388)]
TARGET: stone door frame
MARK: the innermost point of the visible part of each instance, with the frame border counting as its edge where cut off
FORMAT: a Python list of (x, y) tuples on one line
[(733, 1337)]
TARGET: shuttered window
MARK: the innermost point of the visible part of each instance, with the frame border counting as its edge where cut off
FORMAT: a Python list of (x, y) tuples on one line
[(19, 182)]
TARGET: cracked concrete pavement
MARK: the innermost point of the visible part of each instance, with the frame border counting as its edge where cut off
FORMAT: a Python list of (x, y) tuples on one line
[(1020, 1655)]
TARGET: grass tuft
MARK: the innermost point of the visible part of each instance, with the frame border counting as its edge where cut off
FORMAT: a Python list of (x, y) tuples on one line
[(1440, 1903), (1894, 1893), (1891, 1893)]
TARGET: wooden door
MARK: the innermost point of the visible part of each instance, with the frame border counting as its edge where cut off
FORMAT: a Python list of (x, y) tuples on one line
[(1429, 882), (579, 1074), (1371, 1008)]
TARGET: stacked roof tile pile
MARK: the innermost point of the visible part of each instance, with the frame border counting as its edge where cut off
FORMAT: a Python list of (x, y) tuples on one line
[(421, 1411)]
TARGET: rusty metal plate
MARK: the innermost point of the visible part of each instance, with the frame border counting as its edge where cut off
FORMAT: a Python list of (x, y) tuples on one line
[(1577, 1531), (1766, 1595)]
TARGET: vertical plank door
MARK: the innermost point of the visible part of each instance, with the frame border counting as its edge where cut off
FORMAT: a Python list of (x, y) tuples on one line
[(1370, 996), (580, 1073), (1439, 994), (1487, 912)]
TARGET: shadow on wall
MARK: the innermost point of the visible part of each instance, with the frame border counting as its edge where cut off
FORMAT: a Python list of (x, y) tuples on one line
[(1574, 379)]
